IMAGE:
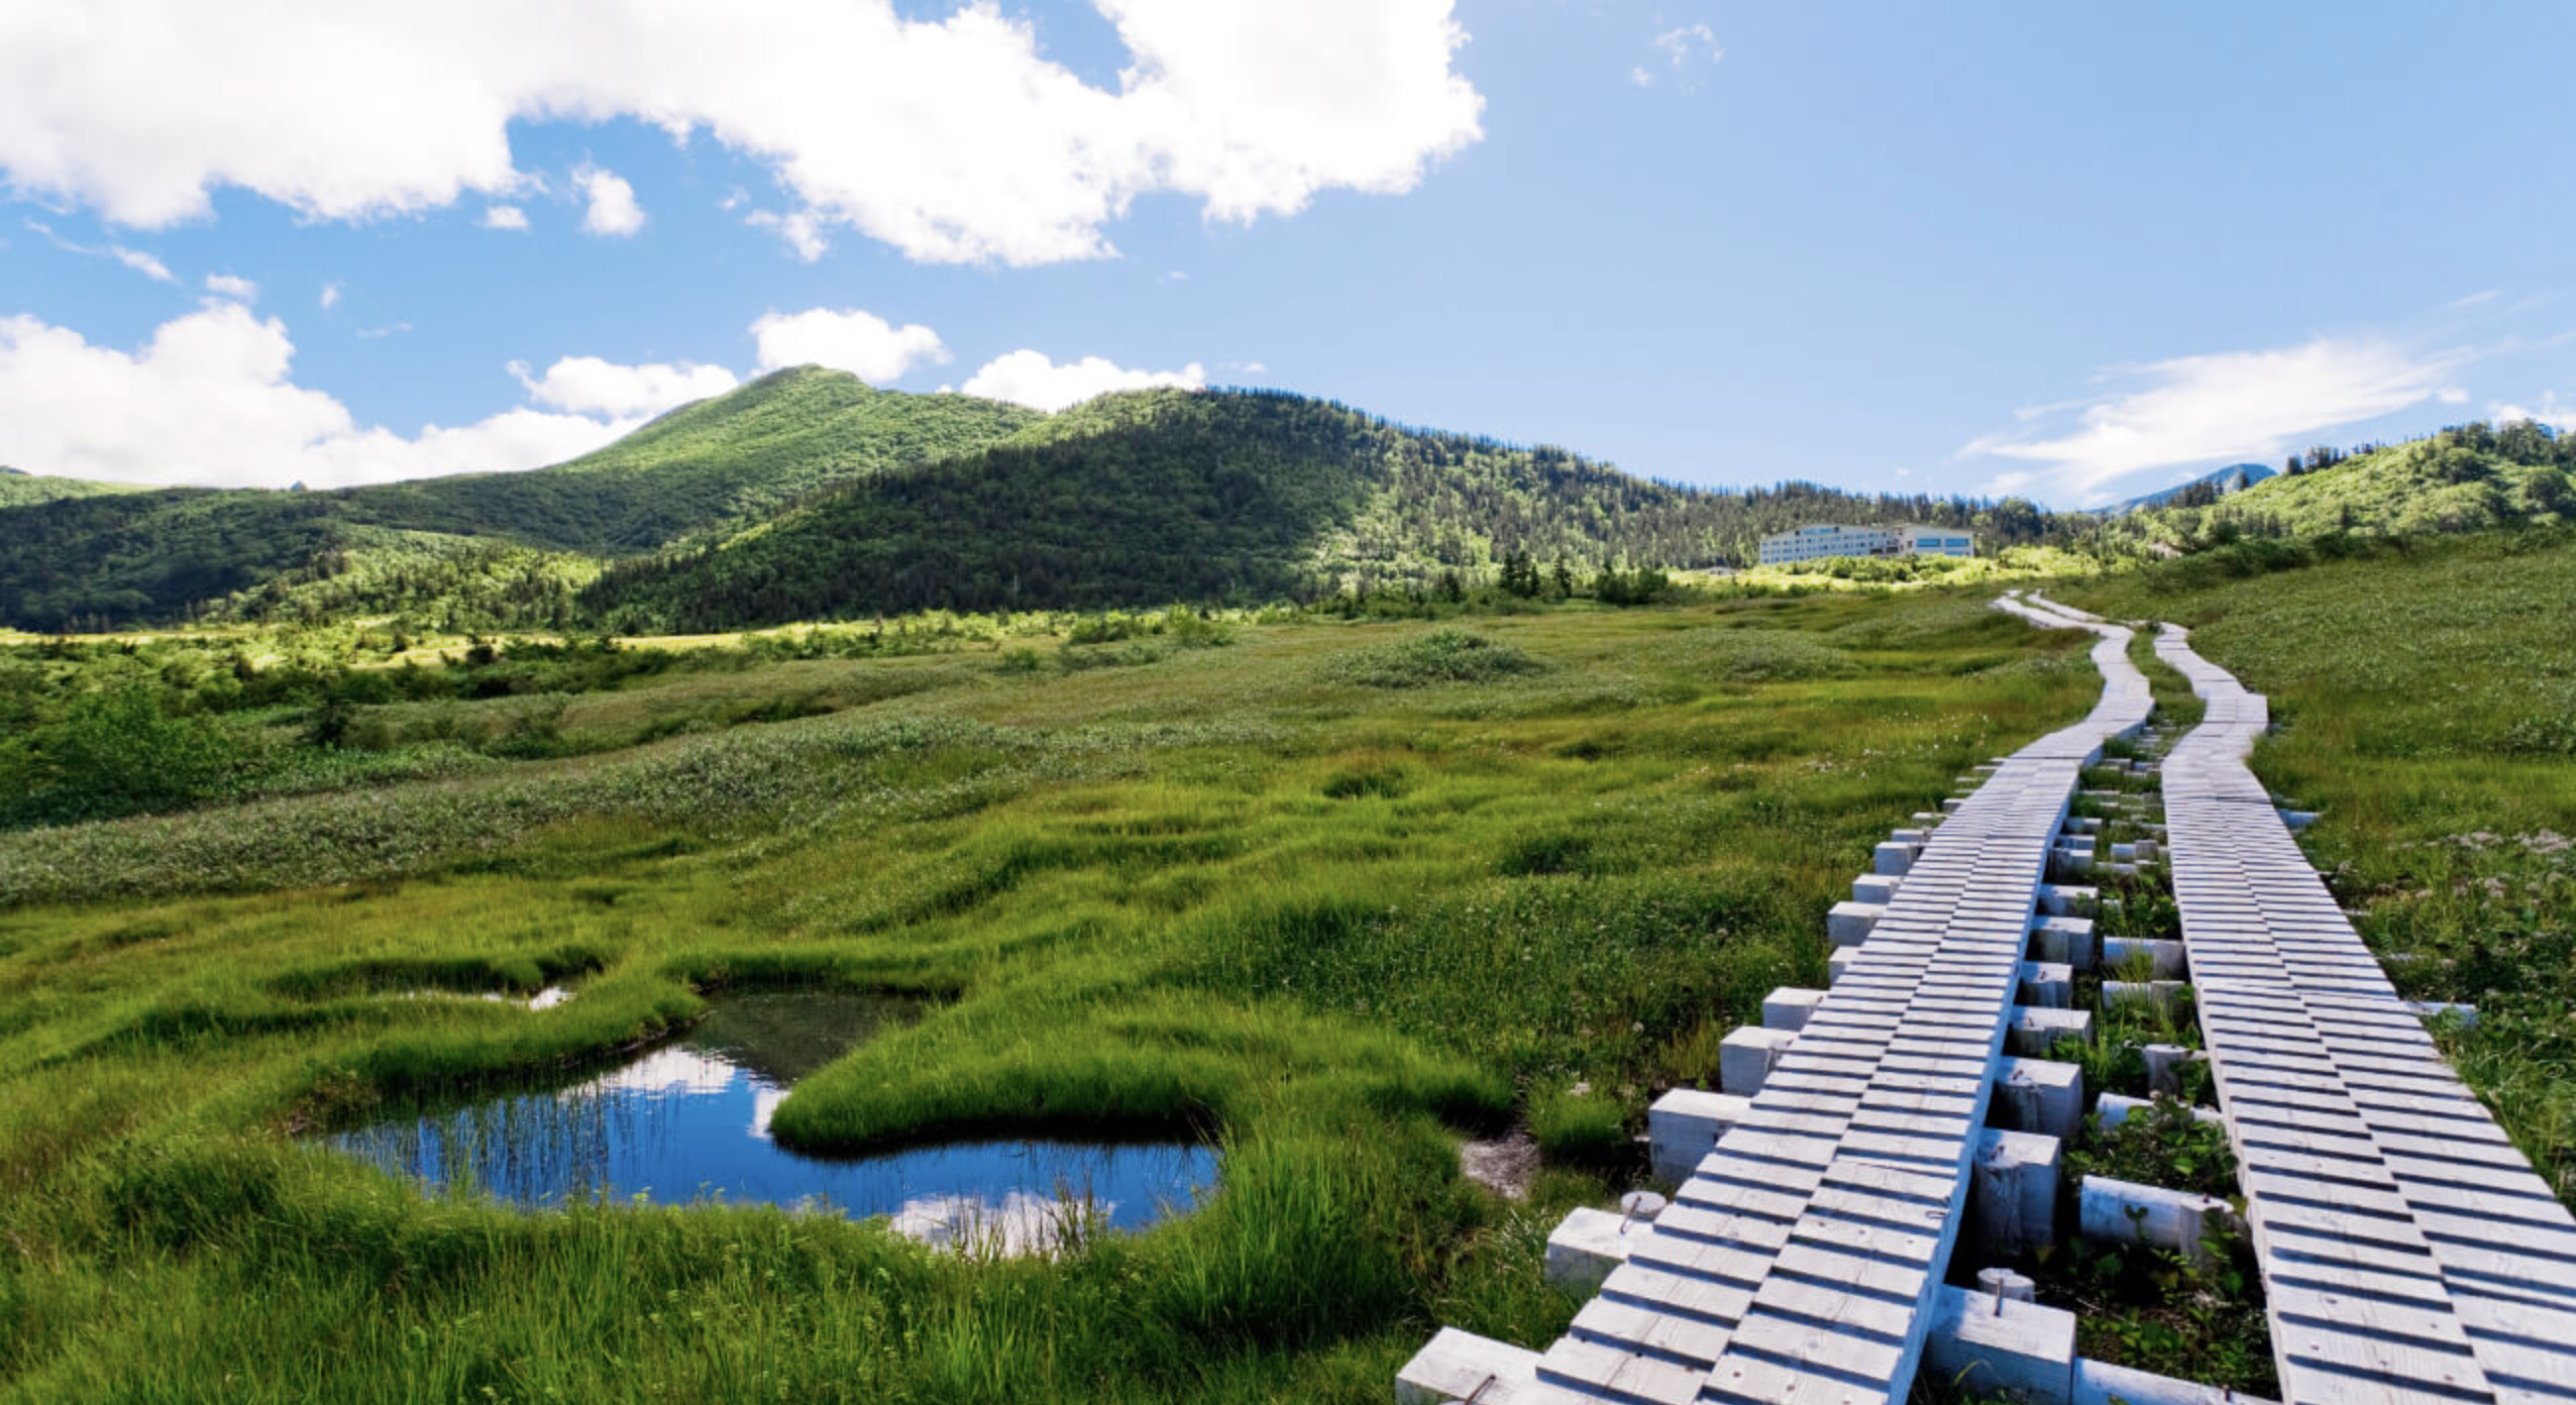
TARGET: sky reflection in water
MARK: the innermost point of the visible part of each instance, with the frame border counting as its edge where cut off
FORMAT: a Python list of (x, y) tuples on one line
[(689, 1120)]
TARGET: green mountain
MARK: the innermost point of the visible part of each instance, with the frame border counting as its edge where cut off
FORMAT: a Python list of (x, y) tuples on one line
[(1154, 496), (732, 458), (507, 545), (2466, 479)]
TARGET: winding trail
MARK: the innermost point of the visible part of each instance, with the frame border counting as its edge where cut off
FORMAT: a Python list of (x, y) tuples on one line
[(2408, 1250), (2409, 1254), (1800, 1260)]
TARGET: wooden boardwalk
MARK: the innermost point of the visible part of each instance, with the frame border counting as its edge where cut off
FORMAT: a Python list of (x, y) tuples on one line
[(1799, 1262), (2409, 1252)]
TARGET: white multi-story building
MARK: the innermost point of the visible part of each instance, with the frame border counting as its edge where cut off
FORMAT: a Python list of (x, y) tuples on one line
[(1827, 539), (1938, 541)]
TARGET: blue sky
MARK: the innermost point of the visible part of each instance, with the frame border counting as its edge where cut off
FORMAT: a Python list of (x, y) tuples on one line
[(2067, 251)]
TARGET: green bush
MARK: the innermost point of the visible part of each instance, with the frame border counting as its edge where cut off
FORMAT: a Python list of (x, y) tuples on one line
[(116, 753)]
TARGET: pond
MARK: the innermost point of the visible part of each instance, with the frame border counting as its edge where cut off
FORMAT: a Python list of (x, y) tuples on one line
[(688, 1120)]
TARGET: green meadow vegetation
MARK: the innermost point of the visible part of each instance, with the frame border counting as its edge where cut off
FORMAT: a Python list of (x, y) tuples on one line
[(1458, 807), (1336, 895)]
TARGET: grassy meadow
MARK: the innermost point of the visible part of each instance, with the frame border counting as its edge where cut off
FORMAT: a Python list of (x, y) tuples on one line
[(2425, 701), (1336, 896)]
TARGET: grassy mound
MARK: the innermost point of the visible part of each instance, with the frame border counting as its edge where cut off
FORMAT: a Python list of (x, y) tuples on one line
[(1441, 656)]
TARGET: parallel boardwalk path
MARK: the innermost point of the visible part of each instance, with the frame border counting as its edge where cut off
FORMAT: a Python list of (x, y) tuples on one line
[(1800, 1259), (2408, 1250)]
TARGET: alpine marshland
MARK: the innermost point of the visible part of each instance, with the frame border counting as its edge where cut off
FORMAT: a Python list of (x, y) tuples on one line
[(1095, 884)]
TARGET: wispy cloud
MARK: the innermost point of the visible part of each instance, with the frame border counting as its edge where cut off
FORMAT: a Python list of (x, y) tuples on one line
[(1030, 378), (1681, 43), (2477, 299), (2196, 410), (2558, 414), (1682, 49), (590, 385), (135, 259), (802, 231)]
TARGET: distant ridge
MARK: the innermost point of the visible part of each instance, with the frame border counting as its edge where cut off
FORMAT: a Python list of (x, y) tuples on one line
[(2467, 478), (2235, 478)]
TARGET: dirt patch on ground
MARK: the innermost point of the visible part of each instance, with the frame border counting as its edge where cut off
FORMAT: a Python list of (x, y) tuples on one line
[(1504, 1166)]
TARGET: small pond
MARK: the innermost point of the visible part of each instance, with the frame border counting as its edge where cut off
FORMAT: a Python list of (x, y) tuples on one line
[(688, 1120)]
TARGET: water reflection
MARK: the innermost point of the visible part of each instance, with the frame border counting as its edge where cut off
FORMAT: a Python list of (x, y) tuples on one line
[(689, 1120), (545, 999)]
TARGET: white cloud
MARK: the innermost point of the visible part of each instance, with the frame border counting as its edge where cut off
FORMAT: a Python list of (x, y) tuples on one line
[(330, 296), (505, 217), (861, 343), (226, 285), (587, 385), (1029, 378), (143, 263), (802, 229), (210, 399), (1682, 43), (2559, 415), (1641, 77), (135, 259), (141, 109), (613, 210), (2483, 295), (2237, 405)]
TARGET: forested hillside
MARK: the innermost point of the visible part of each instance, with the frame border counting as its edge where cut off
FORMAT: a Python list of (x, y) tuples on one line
[(2465, 479), (19, 488), (1234, 496), (730, 459), (807, 494), (481, 540)]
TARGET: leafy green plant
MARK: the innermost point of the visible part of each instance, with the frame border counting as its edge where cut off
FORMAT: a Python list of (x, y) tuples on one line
[(2163, 1144)]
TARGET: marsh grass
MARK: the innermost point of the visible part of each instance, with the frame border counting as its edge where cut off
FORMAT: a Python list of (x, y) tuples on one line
[(1235, 893)]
